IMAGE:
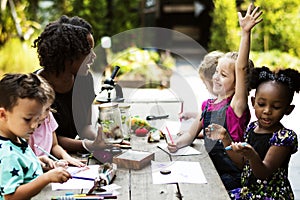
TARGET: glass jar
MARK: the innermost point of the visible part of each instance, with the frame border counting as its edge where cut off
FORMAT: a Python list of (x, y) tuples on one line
[(126, 120), (110, 120)]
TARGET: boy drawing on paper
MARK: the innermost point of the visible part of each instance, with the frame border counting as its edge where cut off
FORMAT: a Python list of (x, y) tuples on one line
[(21, 175)]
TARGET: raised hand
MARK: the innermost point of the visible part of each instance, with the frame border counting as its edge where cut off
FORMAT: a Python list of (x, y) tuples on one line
[(251, 18)]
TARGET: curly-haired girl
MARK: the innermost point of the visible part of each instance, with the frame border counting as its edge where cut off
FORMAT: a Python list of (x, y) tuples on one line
[(266, 155)]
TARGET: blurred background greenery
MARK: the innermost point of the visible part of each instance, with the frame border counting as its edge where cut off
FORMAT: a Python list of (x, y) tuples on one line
[(275, 42)]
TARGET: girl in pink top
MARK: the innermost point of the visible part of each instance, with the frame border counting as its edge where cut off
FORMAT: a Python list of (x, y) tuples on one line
[(229, 108), (45, 137)]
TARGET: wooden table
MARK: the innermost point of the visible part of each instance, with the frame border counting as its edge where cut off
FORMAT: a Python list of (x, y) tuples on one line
[(137, 184)]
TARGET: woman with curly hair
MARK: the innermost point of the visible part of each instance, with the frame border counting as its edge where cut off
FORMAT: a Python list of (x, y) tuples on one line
[(65, 50)]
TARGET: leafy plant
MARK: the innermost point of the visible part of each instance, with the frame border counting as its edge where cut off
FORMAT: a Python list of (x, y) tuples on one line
[(224, 34), (17, 56), (275, 59), (141, 64), (280, 29)]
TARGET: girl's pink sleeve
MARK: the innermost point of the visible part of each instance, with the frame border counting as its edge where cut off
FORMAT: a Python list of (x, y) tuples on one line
[(237, 125)]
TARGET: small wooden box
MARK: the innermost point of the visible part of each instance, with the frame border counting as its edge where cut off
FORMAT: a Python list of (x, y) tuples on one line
[(133, 159)]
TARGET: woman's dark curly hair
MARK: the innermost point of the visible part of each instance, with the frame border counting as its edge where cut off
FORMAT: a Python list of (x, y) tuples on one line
[(288, 77), (63, 39)]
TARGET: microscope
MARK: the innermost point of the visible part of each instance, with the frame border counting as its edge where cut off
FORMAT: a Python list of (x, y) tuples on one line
[(109, 85)]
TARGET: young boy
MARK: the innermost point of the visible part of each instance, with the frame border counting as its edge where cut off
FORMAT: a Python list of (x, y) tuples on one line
[(206, 71), (208, 67), (21, 102)]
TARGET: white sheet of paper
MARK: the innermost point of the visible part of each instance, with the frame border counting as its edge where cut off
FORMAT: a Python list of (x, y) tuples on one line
[(185, 151), (181, 172), (91, 172)]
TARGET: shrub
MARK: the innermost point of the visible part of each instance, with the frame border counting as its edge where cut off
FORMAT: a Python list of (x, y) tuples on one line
[(17, 56), (224, 28), (275, 59)]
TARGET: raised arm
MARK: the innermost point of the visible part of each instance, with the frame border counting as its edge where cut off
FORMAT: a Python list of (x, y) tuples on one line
[(240, 99)]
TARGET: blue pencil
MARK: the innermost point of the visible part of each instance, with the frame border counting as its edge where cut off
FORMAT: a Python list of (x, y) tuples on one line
[(230, 148), (83, 178)]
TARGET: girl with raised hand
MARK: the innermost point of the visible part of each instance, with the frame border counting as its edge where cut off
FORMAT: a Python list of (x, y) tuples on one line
[(265, 156), (230, 107)]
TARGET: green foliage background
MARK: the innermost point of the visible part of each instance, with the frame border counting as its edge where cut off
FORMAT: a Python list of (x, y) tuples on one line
[(224, 28), (108, 17), (280, 29), (275, 41)]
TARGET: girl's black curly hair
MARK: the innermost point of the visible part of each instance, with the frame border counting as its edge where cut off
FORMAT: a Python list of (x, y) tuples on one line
[(288, 77), (63, 39)]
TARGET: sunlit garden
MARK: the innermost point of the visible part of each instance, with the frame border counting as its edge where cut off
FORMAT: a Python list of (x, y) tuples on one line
[(275, 42)]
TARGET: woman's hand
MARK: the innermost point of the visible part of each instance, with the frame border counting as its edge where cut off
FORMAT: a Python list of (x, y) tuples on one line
[(97, 144)]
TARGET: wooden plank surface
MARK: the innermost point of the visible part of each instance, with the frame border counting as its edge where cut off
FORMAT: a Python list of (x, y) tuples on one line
[(137, 184), (141, 180)]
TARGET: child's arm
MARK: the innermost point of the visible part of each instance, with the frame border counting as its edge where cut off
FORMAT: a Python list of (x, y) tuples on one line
[(263, 169), (188, 137), (28, 190), (240, 99), (59, 152), (274, 158), (218, 132)]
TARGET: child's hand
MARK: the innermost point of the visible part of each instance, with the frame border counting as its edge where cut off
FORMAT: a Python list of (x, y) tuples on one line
[(215, 132), (187, 115), (58, 175), (172, 147), (46, 162), (250, 19), (74, 161), (61, 163), (245, 150)]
